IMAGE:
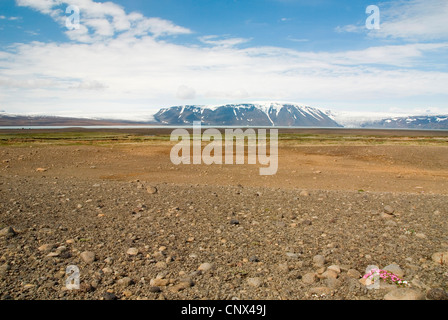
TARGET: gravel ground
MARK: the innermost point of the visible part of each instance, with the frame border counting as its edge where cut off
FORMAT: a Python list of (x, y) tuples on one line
[(137, 240)]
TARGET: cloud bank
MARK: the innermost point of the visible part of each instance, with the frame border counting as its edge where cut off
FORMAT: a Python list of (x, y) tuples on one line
[(119, 60)]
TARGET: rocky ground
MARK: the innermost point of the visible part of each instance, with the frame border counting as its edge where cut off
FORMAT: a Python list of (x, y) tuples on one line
[(132, 240), (143, 239)]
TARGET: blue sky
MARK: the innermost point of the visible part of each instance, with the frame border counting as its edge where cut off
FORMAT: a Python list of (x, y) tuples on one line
[(133, 57)]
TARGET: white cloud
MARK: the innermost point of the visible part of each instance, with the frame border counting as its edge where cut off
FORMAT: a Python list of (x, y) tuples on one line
[(91, 85), (184, 93), (415, 20), (350, 28), (44, 6), (225, 42), (103, 20), (412, 20), (135, 69), (9, 18)]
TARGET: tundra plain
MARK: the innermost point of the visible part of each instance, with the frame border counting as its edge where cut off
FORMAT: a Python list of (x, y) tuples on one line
[(138, 227)]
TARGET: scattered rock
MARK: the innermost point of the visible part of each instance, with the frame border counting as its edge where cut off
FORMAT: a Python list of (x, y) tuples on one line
[(132, 251), (127, 293), (390, 223), (109, 260), (46, 248), (109, 296), (125, 282), (254, 282), (159, 282), (329, 274), (283, 267), (307, 222), (404, 294), (181, 286), (420, 235), (234, 222), (334, 268), (320, 291), (254, 259), (153, 289), (355, 274), (4, 270), (440, 258), (437, 294), (333, 283), (205, 267), (7, 232), (386, 216), (389, 210), (161, 265), (309, 278), (395, 269), (318, 261), (107, 270), (86, 287), (292, 255), (88, 257), (304, 193), (151, 190)]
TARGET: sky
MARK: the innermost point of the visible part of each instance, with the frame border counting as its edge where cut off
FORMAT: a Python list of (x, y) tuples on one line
[(130, 58)]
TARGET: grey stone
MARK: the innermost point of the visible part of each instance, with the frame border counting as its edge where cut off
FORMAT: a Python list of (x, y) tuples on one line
[(440, 258), (320, 291), (152, 190), (309, 278), (7, 232), (389, 210), (395, 269), (404, 294), (329, 274), (125, 282), (333, 283), (132, 251), (292, 255), (46, 248), (88, 256), (154, 289), (304, 193), (319, 260), (334, 268), (109, 296), (205, 267), (254, 282), (355, 274), (437, 294)]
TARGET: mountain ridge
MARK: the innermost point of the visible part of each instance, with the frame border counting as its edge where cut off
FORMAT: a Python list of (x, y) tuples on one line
[(282, 114), (247, 114)]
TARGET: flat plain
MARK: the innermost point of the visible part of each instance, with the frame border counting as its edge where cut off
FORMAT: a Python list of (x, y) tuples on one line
[(138, 227)]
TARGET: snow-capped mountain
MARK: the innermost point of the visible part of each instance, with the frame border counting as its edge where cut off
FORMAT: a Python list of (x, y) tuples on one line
[(247, 114), (410, 122)]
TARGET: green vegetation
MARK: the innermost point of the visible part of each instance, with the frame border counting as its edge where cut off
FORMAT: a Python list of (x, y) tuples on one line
[(286, 139), (76, 138)]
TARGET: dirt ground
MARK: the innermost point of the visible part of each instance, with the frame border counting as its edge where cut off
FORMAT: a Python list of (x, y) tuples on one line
[(390, 168), (260, 234)]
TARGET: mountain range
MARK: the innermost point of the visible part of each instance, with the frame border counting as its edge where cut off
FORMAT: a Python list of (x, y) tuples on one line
[(411, 122), (266, 114), (246, 114)]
